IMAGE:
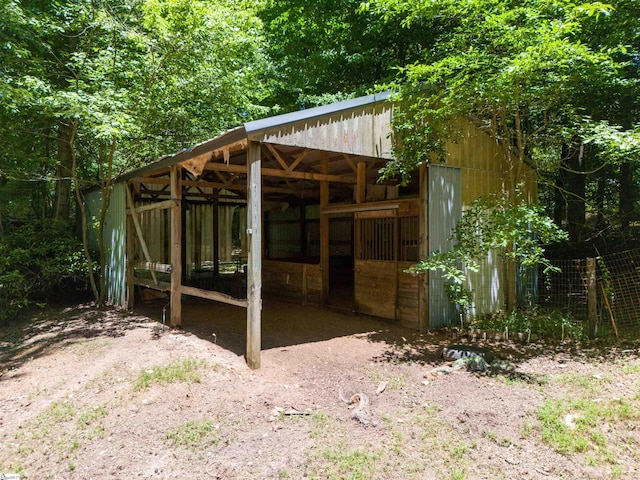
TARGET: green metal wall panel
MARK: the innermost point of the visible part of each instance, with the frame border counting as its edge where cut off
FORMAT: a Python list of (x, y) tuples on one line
[(115, 240), (445, 208), (114, 235)]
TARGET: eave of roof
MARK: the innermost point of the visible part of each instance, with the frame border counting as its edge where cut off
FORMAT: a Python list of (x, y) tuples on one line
[(240, 133), (292, 117), (230, 136)]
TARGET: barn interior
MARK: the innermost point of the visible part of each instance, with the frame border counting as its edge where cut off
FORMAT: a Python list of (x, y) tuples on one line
[(370, 227)]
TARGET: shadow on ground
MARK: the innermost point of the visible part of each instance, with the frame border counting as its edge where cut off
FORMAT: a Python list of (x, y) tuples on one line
[(283, 324), (56, 327)]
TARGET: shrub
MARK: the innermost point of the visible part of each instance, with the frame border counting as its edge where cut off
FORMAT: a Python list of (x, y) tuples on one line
[(553, 325), (38, 260)]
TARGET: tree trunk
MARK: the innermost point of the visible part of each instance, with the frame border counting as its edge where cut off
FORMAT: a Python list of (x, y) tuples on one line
[(626, 194), (559, 200), (600, 195), (62, 208), (575, 186)]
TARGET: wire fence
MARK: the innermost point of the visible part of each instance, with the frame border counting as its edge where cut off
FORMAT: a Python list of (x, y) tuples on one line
[(611, 302)]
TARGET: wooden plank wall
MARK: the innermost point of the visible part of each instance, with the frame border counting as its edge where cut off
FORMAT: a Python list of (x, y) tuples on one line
[(408, 297), (375, 288), (298, 282)]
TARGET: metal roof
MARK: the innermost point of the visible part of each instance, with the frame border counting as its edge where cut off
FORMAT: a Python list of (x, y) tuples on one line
[(240, 133), (307, 114)]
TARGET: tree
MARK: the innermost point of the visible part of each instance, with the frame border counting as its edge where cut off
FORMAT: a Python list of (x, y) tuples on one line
[(523, 70), (324, 51), (101, 86), (516, 230)]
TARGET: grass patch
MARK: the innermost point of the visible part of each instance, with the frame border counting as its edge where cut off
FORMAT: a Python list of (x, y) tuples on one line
[(183, 370), (90, 422), (585, 382), (394, 381), (341, 462), (319, 424), (576, 425), (196, 435), (629, 369)]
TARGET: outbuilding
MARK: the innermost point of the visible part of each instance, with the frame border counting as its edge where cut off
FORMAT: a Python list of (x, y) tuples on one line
[(293, 206)]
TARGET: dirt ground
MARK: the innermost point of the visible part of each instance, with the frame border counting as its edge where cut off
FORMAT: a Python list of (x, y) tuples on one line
[(89, 394)]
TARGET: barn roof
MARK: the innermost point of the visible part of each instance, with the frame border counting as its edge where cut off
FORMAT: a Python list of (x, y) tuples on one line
[(256, 127)]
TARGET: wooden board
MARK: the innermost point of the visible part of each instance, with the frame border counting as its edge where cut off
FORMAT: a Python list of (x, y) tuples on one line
[(408, 297), (375, 288), (299, 282)]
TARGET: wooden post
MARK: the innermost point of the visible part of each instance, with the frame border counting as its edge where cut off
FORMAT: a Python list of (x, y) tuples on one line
[(361, 182), (136, 224), (324, 229), (216, 240), (176, 247), (130, 249), (396, 255), (254, 255), (423, 249), (592, 298)]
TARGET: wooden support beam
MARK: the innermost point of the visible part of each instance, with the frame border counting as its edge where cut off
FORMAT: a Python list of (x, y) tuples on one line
[(130, 249), (136, 224), (216, 241), (299, 158), (361, 182), (176, 248), (324, 229), (278, 157), (153, 267), (254, 259), (347, 158), (145, 282), (206, 184), (154, 206), (592, 298), (215, 296), (274, 172)]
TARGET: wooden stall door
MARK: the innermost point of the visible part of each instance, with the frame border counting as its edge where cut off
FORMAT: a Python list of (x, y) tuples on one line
[(376, 263)]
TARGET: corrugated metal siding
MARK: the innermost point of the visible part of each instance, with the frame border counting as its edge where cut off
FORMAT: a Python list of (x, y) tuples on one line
[(487, 285), (361, 131), (445, 208), (115, 236), (484, 165)]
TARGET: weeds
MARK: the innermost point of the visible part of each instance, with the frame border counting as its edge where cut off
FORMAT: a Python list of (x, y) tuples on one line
[(196, 434), (549, 325), (342, 462), (575, 425), (183, 370)]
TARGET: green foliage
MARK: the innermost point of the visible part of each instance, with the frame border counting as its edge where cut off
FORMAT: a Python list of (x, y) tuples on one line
[(529, 72), (551, 326), (516, 230), (332, 49), (575, 425), (37, 261), (183, 370), (195, 434)]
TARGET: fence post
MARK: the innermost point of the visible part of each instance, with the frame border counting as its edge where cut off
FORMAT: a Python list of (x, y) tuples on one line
[(592, 297)]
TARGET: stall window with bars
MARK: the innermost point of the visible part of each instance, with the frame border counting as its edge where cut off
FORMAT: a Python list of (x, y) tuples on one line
[(388, 239)]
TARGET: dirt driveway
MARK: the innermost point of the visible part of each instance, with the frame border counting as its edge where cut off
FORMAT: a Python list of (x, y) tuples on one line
[(88, 394)]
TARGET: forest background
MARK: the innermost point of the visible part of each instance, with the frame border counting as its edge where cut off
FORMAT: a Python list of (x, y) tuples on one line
[(92, 88)]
